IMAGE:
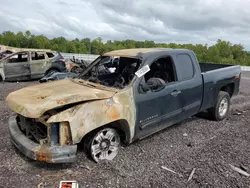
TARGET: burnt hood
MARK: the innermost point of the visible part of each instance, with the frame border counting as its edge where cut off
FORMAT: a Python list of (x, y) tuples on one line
[(34, 101)]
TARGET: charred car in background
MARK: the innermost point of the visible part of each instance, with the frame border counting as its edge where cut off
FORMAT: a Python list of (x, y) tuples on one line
[(5, 53), (30, 64), (58, 76), (76, 67)]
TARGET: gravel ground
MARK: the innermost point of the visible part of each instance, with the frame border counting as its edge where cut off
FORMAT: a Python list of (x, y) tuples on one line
[(198, 143)]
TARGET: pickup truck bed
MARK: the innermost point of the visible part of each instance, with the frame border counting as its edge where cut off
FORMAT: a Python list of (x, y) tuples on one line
[(205, 67), (215, 76)]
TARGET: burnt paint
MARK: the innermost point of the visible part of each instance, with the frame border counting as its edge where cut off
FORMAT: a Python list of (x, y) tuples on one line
[(118, 110), (46, 153), (19, 70)]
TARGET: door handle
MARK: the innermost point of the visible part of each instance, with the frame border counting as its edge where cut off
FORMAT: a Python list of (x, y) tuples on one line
[(175, 93)]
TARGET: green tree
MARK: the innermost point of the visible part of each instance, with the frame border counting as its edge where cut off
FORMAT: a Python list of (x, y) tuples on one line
[(97, 46), (9, 38), (87, 43), (21, 40), (70, 47), (221, 52)]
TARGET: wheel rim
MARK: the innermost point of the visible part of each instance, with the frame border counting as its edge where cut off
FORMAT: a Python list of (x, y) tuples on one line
[(105, 145), (223, 107)]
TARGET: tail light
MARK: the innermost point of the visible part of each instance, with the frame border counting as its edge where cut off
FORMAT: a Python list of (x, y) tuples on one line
[(62, 60), (236, 76)]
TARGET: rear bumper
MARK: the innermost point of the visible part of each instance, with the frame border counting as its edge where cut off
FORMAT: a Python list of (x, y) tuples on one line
[(45, 153)]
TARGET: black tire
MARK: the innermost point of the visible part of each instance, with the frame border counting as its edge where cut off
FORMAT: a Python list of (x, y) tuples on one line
[(1, 79), (51, 71), (215, 112)]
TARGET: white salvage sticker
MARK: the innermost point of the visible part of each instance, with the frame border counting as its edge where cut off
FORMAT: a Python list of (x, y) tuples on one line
[(142, 71)]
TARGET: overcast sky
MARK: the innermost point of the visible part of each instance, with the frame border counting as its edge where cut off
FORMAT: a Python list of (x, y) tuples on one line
[(179, 21)]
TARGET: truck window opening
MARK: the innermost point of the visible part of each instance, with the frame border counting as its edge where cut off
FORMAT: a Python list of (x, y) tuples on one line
[(113, 71), (162, 68)]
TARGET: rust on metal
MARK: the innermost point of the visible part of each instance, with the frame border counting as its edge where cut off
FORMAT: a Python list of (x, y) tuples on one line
[(42, 154), (90, 115), (64, 134), (112, 113), (98, 107)]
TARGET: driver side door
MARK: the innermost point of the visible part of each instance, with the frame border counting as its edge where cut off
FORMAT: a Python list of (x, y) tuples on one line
[(156, 109)]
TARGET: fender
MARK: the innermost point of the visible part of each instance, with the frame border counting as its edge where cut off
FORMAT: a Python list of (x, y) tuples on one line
[(57, 66), (86, 117)]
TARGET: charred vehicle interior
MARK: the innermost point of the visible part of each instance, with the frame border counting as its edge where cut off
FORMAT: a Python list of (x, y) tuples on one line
[(112, 71)]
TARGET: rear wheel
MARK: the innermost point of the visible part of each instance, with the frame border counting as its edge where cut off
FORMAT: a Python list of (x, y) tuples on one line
[(50, 72), (222, 106), (104, 144)]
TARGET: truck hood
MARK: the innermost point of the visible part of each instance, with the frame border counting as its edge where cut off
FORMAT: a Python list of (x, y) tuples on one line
[(34, 101)]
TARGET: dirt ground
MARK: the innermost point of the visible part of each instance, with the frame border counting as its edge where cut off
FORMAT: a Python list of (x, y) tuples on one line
[(209, 147)]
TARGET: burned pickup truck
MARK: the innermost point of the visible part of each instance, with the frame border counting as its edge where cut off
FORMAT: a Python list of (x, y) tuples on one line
[(147, 91)]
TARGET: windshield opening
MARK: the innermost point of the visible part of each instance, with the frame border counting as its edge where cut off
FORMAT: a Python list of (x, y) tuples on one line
[(112, 71)]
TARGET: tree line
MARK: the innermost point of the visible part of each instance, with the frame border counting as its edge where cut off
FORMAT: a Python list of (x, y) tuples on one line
[(221, 52)]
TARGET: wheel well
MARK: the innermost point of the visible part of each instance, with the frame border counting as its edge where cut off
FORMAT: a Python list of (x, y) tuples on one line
[(121, 126), (56, 69), (1, 78), (123, 129), (229, 89)]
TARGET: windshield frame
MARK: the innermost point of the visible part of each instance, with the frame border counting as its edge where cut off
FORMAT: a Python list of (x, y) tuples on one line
[(97, 61), (91, 65)]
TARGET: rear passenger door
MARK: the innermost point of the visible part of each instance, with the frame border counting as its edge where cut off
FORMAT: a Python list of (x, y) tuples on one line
[(38, 64), (190, 84)]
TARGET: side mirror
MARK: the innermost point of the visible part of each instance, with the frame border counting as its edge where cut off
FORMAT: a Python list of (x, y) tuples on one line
[(153, 84)]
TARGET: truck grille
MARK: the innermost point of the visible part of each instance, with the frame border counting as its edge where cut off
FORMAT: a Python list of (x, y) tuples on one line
[(32, 129)]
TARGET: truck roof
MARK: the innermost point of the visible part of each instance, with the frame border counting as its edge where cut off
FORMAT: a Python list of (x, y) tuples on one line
[(133, 52)]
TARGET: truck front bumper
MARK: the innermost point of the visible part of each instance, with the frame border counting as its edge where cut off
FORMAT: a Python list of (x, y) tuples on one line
[(45, 153)]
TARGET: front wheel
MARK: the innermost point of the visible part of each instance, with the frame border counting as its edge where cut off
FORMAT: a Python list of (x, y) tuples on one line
[(104, 144), (222, 106)]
